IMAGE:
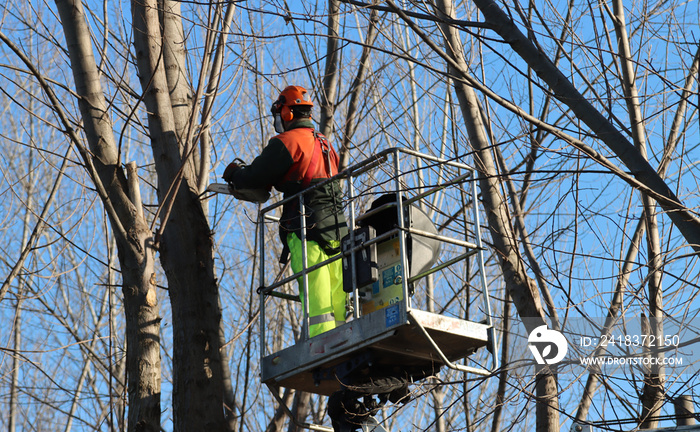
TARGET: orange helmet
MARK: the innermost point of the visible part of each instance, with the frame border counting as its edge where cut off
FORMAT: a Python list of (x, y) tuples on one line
[(290, 97)]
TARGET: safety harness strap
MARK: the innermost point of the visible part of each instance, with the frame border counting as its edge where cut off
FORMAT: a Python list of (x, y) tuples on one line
[(312, 171)]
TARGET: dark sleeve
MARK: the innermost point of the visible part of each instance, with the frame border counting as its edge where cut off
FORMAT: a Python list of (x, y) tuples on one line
[(266, 170)]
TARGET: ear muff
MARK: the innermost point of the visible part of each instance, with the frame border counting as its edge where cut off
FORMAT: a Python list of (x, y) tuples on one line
[(286, 113)]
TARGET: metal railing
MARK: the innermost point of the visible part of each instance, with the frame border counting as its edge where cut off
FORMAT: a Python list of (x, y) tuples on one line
[(393, 180)]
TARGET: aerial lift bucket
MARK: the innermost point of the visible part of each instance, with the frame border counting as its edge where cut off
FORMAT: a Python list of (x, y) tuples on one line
[(391, 247)]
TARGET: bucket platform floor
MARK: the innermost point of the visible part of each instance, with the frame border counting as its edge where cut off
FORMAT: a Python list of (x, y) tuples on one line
[(381, 336)]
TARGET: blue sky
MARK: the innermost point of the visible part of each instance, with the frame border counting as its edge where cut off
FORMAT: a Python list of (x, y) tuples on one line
[(578, 217)]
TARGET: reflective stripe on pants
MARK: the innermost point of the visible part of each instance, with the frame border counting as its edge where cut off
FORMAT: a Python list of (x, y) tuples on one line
[(326, 295)]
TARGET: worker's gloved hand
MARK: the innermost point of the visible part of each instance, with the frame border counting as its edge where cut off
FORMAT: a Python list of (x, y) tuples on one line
[(229, 171)]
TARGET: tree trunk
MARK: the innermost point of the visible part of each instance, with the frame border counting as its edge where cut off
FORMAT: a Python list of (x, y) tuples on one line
[(17, 325), (652, 395), (14, 380), (134, 239), (211, 93), (503, 374), (142, 337), (521, 289), (351, 117), (179, 89), (330, 77), (186, 245)]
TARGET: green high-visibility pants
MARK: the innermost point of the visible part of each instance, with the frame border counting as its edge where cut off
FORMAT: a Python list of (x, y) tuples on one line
[(326, 296)]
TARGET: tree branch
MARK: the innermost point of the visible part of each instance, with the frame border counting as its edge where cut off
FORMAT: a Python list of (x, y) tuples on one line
[(686, 222)]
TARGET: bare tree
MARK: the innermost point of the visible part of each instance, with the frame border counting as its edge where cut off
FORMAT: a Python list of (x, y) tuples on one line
[(184, 238), (580, 118), (134, 238)]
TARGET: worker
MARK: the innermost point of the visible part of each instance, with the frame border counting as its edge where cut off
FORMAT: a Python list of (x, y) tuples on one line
[(295, 159)]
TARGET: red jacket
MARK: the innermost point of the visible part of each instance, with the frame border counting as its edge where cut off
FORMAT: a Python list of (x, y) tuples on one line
[(291, 162)]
